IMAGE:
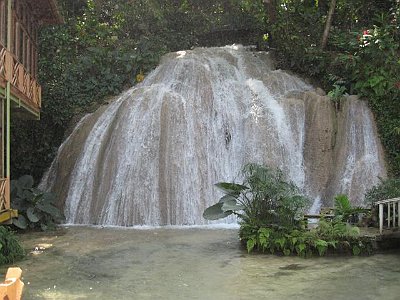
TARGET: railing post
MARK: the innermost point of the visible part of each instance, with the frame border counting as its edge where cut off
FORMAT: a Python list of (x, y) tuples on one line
[(8, 66), (380, 218), (7, 195), (394, 215), (388, 216), (398, 213)]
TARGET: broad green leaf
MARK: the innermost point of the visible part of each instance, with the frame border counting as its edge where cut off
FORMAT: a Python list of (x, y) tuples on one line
[(301, 248), (215, 212), (264, 232), (250, 245), (20, 222), (50, 209), (227, 197), (231, 188), (281, 242), (333, 243), (321, 246), (32, 216), (231, 205)]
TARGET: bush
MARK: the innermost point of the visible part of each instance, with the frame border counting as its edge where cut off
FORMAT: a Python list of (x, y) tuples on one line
[(329, 237), (270, 210), (264, 199), (10, 248), (387, 189), (35, 208), (362, 56)]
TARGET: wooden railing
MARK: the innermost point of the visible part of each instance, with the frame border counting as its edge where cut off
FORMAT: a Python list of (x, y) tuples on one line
[(23, 85), (393, 213), (4, 194)]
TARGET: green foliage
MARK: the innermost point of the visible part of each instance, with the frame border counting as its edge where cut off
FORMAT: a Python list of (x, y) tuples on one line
[(264, 199), (337, 92), (362, 56), (331, 236), (35, 208), (100, 50), (10, 248), (104, 44), (344, 211), (387, 189)]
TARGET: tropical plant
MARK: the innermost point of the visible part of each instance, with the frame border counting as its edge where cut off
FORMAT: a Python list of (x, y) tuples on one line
[(271, 217), (35, 208), (331, 236), (10, 248), (265, 198), (345, 212), (386, 189)]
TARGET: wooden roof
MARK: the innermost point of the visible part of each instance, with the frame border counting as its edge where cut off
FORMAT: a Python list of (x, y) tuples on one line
[(46, 11)]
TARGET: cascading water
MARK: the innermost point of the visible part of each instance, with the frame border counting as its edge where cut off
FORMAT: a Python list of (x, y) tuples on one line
[(153, 155)]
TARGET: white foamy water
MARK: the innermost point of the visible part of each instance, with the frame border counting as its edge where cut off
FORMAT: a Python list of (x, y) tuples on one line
[(152, 157)]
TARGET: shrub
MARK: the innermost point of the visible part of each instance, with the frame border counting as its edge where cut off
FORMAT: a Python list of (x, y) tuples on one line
[(265, 198), (270, 210), (10, 248), (35, 208), (331, 236), (345, 212), (387, 189)]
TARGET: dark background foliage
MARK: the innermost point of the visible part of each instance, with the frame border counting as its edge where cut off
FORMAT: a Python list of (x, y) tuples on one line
[(105, 44)]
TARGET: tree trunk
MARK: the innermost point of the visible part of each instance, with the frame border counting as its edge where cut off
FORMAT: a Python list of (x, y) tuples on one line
[(328, 24), (270, 8)]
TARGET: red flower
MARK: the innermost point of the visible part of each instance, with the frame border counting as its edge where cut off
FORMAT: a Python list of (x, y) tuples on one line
[(397, 85)]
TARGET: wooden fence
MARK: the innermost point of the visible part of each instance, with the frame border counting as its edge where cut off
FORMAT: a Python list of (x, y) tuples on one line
[(392, 207)]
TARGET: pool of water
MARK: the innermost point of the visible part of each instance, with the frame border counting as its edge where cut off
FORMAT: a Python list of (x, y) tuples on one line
[(162, 263)]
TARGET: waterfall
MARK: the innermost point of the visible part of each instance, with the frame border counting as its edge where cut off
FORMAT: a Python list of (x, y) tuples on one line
[(153, 155)]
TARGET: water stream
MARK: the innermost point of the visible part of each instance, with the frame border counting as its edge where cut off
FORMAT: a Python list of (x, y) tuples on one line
[(180, 264), (152, 156)]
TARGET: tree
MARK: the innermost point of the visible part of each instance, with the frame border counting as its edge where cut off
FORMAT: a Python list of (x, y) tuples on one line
[(270, 8), (328, 24)]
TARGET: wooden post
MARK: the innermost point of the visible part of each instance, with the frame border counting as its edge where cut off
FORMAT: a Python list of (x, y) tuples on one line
[(7, 193), (328, 24), (380, 218), (9, 25), (394, 215), (8, 94), (398, 213), (388, 216), (12, 286)]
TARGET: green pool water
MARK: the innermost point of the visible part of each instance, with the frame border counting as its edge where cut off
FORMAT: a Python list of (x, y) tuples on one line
[(162, 263)]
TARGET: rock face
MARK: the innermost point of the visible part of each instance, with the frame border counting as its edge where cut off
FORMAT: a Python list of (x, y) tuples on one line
[(153, 155)]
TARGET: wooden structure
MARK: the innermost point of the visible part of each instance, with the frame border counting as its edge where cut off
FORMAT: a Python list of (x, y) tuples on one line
[(393, 213), (20, 92), (12, 286)]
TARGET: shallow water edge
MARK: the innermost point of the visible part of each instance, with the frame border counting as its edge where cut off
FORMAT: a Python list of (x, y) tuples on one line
[(194, 263)]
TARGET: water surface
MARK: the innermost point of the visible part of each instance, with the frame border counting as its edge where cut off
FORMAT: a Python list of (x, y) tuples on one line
[(162, 263)]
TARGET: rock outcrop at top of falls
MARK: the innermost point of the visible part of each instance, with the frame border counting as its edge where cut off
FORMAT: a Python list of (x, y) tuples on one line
[(152, 156)]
